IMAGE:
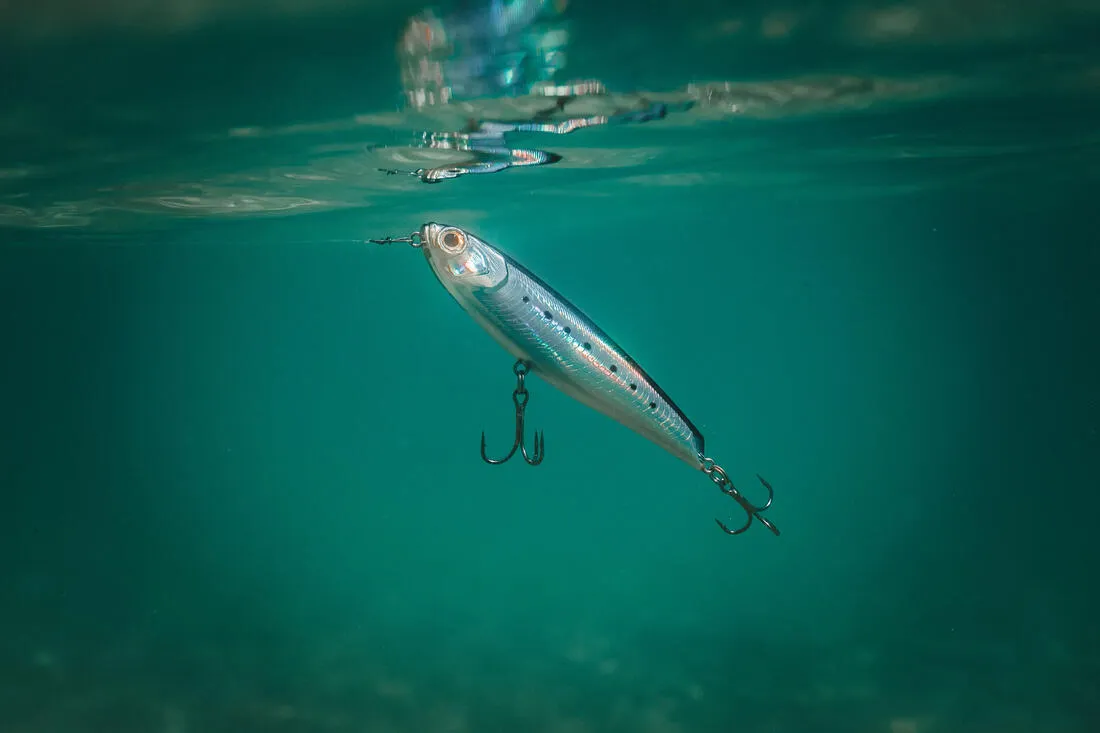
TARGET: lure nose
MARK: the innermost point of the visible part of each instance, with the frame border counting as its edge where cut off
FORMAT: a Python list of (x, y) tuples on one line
[(429, 232)]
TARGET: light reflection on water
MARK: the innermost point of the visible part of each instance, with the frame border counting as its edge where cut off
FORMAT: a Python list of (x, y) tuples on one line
[(487, 89), (697, 134)]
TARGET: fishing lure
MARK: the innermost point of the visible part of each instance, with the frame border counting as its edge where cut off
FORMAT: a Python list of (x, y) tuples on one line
[(552, 338)]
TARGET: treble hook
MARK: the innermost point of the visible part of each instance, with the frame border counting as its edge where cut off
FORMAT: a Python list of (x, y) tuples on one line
[(722, 480), (519, 398)]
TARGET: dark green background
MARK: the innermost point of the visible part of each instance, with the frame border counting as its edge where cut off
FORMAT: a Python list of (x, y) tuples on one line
[(241, 488)]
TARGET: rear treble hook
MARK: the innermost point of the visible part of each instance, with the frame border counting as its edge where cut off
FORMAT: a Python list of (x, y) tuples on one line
[(519, 397), (722, 480)]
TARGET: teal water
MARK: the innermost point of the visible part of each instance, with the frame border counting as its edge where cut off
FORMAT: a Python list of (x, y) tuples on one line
[(239, 453)]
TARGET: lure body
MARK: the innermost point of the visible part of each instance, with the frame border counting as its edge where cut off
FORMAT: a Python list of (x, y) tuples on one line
[(562, 345)]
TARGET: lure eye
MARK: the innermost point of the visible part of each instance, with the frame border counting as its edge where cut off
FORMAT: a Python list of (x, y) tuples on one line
[(452, 241)]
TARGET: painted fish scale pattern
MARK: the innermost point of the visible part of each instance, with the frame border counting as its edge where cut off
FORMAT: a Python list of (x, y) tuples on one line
[(572, 354)]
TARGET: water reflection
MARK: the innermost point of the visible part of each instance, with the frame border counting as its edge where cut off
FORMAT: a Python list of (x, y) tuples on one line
[(497, 49), (483, 48), (485, 149), (484, 90)]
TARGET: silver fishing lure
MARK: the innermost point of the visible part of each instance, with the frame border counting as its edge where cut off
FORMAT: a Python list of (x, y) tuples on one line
[(552, 338)]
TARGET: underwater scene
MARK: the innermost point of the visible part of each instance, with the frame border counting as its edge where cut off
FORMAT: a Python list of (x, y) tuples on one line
[(549, 366)]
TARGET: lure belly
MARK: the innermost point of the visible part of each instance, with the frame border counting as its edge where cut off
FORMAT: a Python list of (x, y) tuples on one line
[(565, 348)]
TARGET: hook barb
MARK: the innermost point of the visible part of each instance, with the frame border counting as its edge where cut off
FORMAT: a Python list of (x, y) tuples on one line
[(519, 398)]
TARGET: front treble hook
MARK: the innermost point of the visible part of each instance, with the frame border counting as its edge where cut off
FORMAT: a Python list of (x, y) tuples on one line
[(719, 476), (519, 397)]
